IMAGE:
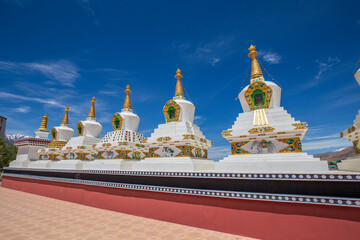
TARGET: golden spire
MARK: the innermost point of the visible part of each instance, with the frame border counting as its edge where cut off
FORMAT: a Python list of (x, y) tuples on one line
[(127, 102), (179, 89), (92, 109), (43, 125), (65, 120), (255, 67)]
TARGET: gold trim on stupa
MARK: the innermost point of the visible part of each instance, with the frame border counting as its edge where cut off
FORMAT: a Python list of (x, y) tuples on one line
[(127, 102), (65, 121), (255, 66), (179, 92), (91, 114), (43, 125)]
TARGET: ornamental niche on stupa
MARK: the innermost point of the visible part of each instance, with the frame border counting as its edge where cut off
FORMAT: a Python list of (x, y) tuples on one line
[(119, 148), (178, 144), (265, 137)]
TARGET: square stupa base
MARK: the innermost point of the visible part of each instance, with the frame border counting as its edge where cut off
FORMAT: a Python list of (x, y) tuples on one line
[(177, 164), (350, 164), (69, 164), (275, 162), (41, 164), (19, 163), (109, 164)]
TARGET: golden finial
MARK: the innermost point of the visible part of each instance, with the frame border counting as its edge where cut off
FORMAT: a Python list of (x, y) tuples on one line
[(43, 125), (178, 89), (127, 102), (65, 120), (92, 109), (255, 66)]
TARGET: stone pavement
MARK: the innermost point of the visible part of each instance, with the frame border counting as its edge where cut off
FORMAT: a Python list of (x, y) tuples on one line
[(28, 216)]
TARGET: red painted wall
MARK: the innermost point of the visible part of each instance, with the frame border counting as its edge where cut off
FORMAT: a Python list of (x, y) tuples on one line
[(258, 219)]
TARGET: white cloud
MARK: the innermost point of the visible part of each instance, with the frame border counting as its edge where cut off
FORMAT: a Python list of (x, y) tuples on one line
[(198, 120), (216, 153), (86, 5), (31, 99), (63, 71), (24, 109), (324, 144), (270, 57)]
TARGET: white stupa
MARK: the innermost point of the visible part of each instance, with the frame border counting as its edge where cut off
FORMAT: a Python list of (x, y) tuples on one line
[(80, 149), (265, 138), (352, 134), (53, 152), (28, 147), (177, 145), (118, 149)]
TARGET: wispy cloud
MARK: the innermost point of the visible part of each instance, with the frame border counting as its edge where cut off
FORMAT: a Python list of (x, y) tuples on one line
[(326, 144), (24, 109), (63, 72), (31, 99), (199, 120), (86, 5), (325, 66), (212, 52), (270, 57)]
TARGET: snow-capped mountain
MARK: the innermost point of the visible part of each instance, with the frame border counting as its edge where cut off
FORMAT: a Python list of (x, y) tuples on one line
[(14, 137)]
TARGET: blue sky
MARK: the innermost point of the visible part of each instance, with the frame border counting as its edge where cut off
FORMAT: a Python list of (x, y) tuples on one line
[(58, 53)]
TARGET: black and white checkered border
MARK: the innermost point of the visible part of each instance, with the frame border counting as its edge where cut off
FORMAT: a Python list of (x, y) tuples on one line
[(334, 201), (348, 177)]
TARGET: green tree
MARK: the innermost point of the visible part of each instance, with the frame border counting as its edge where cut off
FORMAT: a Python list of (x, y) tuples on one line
[(7, 153)]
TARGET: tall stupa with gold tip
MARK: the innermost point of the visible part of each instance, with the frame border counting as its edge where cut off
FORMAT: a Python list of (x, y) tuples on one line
[(265, 138), (177, 145), (352, 134), (28, 147), (60, 136), (118, 149), (80, 149)]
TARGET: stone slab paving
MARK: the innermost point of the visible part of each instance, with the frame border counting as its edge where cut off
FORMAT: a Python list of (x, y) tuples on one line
[(28, 216)]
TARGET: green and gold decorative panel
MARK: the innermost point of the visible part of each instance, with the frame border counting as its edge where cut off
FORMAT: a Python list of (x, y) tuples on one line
[(294, 145), (122, 154), (302, 125), (236, 148), (255, 90), (226, 133), (261, 130), (152, 153), (171, 111), (53, 133), (163, 139), (80, 128), (117, 121)]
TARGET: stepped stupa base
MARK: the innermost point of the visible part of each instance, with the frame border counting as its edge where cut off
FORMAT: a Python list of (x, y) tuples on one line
[(41, 164), (109, 164), (350, 164), (19, 163), (178, 164), (69, 164), (275, 162)]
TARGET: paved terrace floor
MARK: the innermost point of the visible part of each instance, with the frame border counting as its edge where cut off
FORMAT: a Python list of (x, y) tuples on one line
[(28, 216)]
